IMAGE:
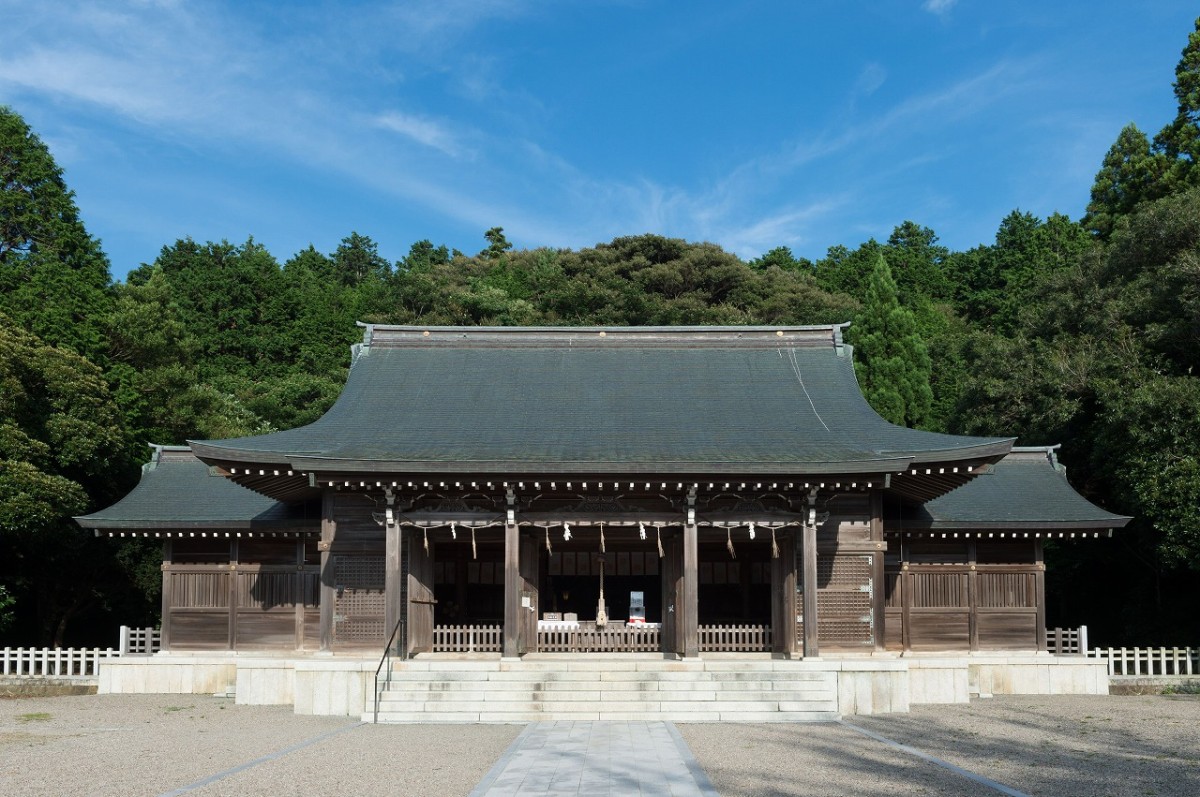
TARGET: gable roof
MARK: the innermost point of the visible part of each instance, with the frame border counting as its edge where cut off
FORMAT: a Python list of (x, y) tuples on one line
[(1028, 489), (177, 491), (626, 400)]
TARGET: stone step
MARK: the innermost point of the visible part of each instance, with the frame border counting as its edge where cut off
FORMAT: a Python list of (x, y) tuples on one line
[(615, 675), (524, 716), (662, 696), (524, 691)]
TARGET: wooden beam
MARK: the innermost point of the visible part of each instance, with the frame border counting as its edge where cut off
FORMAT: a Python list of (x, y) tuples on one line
[(689, 618), (878, 578), (232, 584), (1040, 593), (783, 593), (812, 648), (512, 591), (393, 586), (168, 554), (972, 599), (328, 587), (419, 596)]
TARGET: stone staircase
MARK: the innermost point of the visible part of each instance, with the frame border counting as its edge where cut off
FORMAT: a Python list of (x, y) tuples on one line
[(595, 688)]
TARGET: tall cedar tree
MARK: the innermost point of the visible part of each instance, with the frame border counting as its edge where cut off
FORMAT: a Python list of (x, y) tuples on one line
[(891, 361), (1180, 140), (1132, 173), (54, 277)]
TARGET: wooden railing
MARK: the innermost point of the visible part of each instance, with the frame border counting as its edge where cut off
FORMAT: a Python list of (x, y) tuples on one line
[(54, 662), (467, 638), (1149, 661), (735, 638), (1067, 641), (610, 639)]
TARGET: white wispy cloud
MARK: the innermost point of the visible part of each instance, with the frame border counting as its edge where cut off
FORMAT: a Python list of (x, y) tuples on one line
[(422, 130), (870, 78), (938, 6)]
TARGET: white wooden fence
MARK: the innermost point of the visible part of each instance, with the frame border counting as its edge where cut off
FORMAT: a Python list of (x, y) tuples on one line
[(1149, 662), (139, 641), (53, 662), (1067, 641), (76, 662)]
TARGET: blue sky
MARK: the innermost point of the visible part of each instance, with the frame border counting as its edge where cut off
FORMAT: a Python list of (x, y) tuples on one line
[(749, 124)]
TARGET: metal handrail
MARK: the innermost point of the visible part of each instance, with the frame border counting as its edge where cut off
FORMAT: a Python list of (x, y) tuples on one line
[(386, 658)]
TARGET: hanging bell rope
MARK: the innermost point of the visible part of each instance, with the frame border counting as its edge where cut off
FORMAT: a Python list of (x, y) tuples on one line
[(426, 530), (774, 545), (602, 538), (752, 529), (453, 530), (660, 548), (474, 552), (729, 542), (549, 550)]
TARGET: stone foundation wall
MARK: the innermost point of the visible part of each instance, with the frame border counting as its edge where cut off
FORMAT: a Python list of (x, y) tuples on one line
[(870, 684)]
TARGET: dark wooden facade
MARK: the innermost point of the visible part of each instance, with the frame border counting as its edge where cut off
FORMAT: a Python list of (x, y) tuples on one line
[(440, 491), (345, 587)]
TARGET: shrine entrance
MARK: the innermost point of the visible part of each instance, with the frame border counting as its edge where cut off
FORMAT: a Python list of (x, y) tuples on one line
[(601, 601)]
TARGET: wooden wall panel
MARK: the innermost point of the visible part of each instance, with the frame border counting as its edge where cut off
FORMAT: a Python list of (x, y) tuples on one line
[(1007, 630), (964, 594), (849, 520), (311, 639), (198, 589), (265, 630), (199, 629), (357, 527), (1006, 590), (893, 629), (941, 629)]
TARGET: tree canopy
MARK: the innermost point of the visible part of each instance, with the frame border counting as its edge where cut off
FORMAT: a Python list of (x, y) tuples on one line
[(1081, 333)]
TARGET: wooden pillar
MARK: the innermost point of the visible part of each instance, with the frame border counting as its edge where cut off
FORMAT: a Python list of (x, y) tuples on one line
[(298, 579), (393, 585), (419, 594), (530, 559), (328, 577), (809, 552), (167, 585), (1040, 594), (689, 618), (512, 590), (783, 595), (972, 598), (672, 593), (878, 577), (232, 585)]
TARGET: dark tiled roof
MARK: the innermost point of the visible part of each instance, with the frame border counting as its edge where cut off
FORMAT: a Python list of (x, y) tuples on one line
[(177, 492), (1026, 489), (515, 400)]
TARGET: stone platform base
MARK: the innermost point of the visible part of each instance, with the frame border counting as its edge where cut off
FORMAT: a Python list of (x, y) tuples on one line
[(345, 685)]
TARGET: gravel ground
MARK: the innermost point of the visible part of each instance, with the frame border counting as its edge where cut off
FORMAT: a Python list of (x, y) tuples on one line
[(1065, 746), (154, 744)]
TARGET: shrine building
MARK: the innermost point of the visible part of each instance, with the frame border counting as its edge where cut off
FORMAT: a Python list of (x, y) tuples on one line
[(671, 499)]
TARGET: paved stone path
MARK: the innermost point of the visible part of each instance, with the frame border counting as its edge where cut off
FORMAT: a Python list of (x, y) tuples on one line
[(597, 758), (199, 746)]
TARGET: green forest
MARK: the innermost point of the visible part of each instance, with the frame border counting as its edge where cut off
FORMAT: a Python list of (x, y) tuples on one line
[(1080, 332)]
